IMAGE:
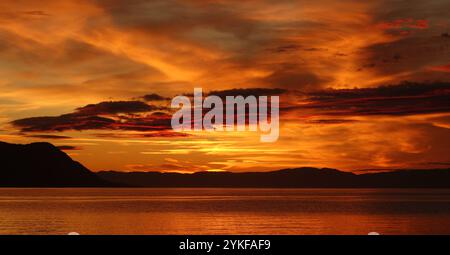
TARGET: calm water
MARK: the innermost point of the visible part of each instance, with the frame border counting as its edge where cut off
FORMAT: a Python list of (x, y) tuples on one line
[(224, 211)]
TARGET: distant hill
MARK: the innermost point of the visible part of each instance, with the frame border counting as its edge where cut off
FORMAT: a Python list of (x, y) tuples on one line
[(42, 165), (305, 177)]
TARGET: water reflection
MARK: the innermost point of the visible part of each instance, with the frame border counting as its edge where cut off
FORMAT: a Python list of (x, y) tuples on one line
[(224, 211)]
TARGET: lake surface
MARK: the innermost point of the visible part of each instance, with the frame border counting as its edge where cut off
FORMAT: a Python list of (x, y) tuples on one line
[(224, 211)]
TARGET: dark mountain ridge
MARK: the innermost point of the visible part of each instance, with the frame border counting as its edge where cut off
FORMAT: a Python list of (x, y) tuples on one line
[(305, 177), (44, 165)]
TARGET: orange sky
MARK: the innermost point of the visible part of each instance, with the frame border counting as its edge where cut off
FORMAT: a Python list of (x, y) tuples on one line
[(57, 57)]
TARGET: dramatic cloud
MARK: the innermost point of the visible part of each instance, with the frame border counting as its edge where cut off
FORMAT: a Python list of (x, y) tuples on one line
[(68, 148), (403, 99), (41, 136), (109, 68), (247, 92), (115, 107), (122, 115), (407, 55), (62, 123), (154, 97)]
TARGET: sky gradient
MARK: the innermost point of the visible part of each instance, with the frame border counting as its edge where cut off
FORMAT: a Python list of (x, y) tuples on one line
[(363, 84)]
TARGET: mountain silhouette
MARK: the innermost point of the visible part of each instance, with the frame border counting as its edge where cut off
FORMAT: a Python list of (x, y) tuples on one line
[(42, 165), (289, 178), (305, 177)]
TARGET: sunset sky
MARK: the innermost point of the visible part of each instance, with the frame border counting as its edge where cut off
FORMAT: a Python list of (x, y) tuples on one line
[(96, 78)]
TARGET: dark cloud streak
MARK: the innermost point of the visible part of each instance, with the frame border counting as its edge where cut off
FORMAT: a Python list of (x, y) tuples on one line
[(403, 99)]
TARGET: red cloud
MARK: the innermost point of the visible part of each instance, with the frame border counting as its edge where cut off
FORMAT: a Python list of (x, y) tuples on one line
[(444, 68), (407, 23)]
